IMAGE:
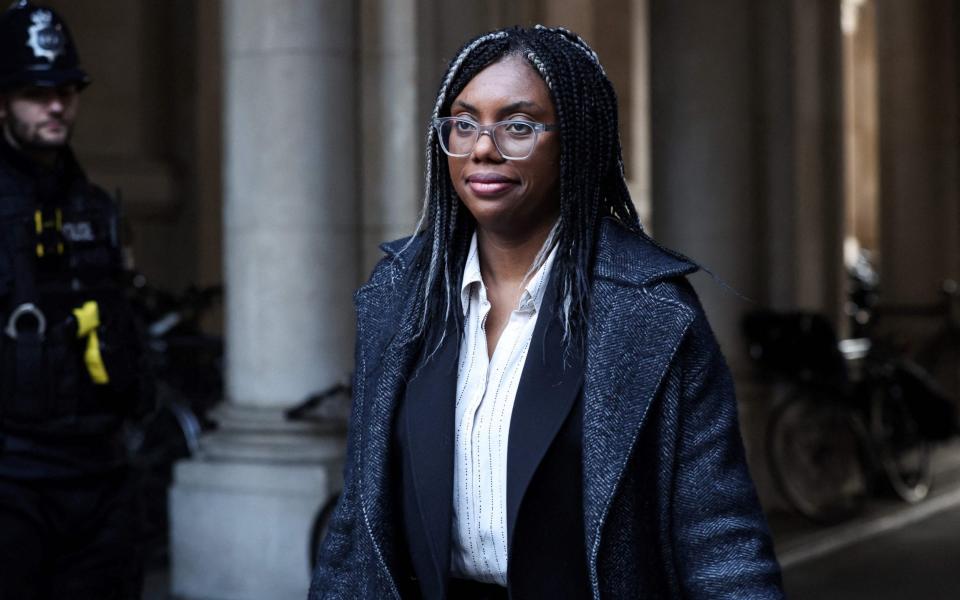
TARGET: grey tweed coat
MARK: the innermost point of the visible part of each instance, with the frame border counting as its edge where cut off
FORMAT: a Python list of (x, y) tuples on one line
[(669, 507)]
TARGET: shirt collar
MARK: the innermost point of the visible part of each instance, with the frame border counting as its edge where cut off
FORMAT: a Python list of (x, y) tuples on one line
[(533, 291), (471, 274)]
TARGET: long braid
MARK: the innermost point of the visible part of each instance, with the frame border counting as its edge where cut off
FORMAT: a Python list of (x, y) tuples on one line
[(592, 183)]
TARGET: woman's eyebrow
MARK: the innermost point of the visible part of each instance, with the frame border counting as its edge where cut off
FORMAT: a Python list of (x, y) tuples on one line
[(519, 105), (466, 106), (512, 107)]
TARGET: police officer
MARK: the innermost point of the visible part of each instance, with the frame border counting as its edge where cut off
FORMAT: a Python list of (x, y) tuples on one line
[(68, 349)]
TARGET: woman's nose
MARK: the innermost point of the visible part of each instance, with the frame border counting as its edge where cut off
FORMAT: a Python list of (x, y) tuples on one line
[(486, 148)]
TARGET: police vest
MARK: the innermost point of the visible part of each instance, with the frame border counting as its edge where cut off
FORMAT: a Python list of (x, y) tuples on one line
[(68, 347)]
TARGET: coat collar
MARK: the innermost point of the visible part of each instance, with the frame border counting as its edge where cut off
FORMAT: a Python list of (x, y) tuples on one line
[(622, 255), (633, 258)]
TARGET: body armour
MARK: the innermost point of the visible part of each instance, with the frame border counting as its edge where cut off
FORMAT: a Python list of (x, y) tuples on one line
[(69, 349)]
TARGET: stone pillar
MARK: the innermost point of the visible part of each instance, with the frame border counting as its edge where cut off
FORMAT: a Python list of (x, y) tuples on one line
[(704, 148), (861, 128), (818, 157), (704, 140), (746, 165), (919, 207), (747, 150), (241, 512), (636, 153), (394, 124)]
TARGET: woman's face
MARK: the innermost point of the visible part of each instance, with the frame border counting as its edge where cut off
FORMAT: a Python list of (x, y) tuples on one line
[(509, 197)]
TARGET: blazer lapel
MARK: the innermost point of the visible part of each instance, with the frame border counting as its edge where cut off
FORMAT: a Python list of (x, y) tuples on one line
[(549, 384), (429, 418)]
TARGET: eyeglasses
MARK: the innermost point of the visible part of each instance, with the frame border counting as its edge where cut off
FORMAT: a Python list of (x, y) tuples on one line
[(515, 139)]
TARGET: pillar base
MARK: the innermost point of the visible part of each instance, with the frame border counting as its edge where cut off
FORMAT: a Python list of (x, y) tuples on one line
[(241, 512)]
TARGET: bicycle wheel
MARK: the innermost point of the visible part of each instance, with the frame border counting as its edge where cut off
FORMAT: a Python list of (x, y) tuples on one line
[(900, 446), (816, 457), (155, 444)]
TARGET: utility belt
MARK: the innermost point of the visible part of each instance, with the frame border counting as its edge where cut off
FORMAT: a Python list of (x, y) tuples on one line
[(60, 370), (64, 352)]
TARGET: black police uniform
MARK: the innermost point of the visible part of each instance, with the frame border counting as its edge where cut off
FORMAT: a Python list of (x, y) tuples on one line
[(68, 356)]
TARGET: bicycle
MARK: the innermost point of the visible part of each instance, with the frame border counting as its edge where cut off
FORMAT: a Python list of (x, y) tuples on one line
[(854, 420), (184, 367), (329, 405), (940, 353)]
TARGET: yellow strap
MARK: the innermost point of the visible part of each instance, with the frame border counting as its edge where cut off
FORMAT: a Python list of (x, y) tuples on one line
[(88, 319), (95, 366), (38, 221)]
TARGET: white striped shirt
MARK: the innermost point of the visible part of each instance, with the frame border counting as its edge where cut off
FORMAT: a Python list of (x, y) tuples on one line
[(485, 393)]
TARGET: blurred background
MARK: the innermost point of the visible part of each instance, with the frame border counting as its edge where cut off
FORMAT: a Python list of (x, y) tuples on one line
[(804, 151)]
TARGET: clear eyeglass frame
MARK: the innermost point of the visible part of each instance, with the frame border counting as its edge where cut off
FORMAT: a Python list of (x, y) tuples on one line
[(491, 130)]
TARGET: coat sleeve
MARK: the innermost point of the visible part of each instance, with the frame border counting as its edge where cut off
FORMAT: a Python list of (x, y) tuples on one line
[(337, 565), (339, 570), (722, 545)]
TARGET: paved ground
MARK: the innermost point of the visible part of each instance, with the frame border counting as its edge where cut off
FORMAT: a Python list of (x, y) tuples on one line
[(920, 561), (895, 551), (892, 552)]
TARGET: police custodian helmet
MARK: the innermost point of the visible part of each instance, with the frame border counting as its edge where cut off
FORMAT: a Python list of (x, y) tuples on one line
[(36, 49)]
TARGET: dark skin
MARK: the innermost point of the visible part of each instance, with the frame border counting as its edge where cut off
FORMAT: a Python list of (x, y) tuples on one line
[(515, 202)]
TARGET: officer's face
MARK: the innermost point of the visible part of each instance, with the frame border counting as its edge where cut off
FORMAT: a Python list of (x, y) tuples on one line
[(40, 117)]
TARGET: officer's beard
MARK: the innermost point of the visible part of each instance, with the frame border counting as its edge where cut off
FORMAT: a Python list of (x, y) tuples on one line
[(27, 140)]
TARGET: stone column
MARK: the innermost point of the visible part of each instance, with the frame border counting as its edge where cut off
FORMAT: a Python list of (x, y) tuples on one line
[(746, 143), (636, 153), (394, 124), (746, 165), (241, 512), (704, 147), (919, 207)]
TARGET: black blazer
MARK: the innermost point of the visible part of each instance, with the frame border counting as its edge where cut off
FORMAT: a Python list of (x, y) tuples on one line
[(547, 552)]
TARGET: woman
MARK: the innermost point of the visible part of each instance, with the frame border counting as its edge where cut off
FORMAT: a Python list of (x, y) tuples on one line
[(540, 406)]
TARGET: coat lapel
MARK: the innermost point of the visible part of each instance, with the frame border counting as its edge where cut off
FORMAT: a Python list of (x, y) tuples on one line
[(549, 384), (633, 338), (429, 415), (381, 373)]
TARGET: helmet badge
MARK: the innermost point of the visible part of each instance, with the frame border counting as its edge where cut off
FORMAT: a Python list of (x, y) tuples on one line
[(46, 39)]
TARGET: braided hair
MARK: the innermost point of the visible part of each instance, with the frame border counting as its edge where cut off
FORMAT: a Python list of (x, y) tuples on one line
[(592, 183)]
